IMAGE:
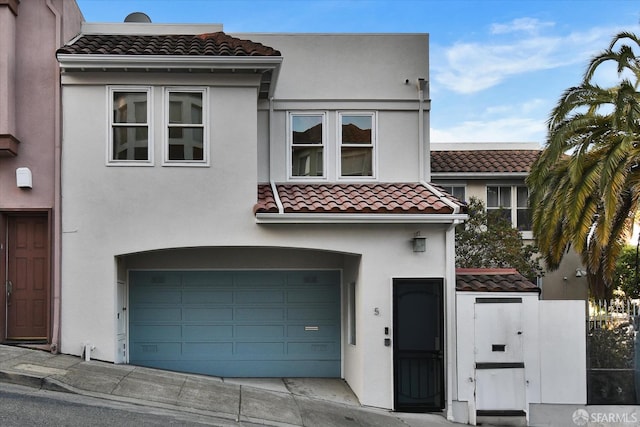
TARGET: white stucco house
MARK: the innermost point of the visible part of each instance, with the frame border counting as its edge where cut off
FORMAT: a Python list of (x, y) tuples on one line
[(259, 205)]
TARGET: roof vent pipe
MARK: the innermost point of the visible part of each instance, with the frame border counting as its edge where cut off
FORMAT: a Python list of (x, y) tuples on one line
[(138, 17)]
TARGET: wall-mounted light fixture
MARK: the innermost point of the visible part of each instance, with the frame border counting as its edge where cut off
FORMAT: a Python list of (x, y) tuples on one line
[(23, 178), (580, 272), (419, 243)]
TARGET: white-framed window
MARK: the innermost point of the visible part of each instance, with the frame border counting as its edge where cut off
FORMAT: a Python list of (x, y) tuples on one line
[(307, 145), (186, 135), (356, 144), (130, 136), (514, 202), (458, 191)]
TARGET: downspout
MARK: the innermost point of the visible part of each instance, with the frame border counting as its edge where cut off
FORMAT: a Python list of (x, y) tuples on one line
[(270, 139), (450, 313), (57, 161)]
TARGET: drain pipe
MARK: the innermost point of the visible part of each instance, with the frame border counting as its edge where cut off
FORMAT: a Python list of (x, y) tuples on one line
[(422, 86), (56, 220)]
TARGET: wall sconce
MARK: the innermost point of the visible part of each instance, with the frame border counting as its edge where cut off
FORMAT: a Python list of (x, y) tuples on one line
[(580, 272), (419, 243), (23, 178)]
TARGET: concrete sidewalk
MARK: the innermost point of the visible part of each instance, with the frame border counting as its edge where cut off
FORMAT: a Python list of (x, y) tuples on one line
[(276, 402)]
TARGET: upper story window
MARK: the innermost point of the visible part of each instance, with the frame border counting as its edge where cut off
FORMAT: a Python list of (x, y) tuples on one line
[(129, 136), (307, 139), (457, 191), (186, 140), (356, 141), (514, 200)]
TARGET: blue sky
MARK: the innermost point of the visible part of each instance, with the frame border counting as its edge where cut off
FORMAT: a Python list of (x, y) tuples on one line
[(497, 66)]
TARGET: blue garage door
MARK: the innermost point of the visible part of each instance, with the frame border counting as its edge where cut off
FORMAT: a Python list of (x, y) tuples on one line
[(236, 323)]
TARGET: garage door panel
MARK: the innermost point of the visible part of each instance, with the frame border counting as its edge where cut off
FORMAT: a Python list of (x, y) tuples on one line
[(207, 350), (260, 297), (312, 350), (206, 314), (255, 313), (156, 296), (158, 351), (246, 323), (316, 313), (258, 278), (160, 313), (206, 332), (156, 332), (257, 331), (313, 332), (207, 296), (318, 294)]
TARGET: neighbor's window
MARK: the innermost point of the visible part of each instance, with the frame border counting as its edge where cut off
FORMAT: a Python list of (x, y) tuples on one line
[(457, 191), (307, 141), (186, 130), (357, 143), (129, 140), (514, 202)]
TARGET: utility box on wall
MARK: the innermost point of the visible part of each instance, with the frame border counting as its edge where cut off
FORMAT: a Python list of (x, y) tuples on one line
[(23, 178)]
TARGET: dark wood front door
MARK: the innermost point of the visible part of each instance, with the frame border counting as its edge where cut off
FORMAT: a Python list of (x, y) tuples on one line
[(28, 278), (418, 345)]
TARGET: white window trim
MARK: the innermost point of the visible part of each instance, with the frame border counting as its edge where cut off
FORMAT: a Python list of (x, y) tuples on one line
[(374, 145), (110, 161), (205, 126), (526, 234), (325, 150)]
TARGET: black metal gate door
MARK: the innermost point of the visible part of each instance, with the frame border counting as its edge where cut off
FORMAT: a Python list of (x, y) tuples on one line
[(418, 345)]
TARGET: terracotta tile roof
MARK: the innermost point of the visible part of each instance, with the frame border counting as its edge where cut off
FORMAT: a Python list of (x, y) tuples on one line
[(483, 161), (210, 44), (493, 280), (403, 198)]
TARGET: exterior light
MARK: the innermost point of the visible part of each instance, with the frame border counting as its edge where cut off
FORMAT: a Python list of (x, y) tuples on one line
[(419, 243)]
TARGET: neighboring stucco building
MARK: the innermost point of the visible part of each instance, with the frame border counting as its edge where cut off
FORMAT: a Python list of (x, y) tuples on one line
[(258, 205), (30, 33), (495, 173)]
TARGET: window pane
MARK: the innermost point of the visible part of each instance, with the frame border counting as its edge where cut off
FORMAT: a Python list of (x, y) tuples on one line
[(524, 220), (523, 197), (130, 143), (459, 193), (505, 197), (306, 129), (129, 107), (492, 197), (185, 108), (356, 162), (356, 129), (307, 161), (186, 143)]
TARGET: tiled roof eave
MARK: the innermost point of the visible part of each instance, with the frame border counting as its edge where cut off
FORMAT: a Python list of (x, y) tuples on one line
[(479, 174), (90, 62), (353, 218)]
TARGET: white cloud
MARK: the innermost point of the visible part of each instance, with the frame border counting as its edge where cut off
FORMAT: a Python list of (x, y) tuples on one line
[(529, 25), (473, 67), (501, 130)]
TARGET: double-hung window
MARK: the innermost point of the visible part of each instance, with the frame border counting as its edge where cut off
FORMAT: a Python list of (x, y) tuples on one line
[(307, 139), (186, 136), (356, 140), (514, 202), (129, 139)]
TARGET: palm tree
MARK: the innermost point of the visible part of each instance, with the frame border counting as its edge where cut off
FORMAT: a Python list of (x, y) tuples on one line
[(584, 187)]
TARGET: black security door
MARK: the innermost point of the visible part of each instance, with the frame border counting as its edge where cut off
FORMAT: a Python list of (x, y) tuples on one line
[(418, 345)]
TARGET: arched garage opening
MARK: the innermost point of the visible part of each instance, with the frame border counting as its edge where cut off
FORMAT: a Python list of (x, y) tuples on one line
[(236, 312)]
